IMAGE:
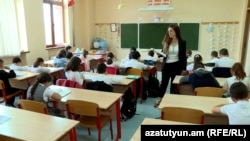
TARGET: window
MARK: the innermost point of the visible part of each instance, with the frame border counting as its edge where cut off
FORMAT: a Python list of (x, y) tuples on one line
[(53, 22)]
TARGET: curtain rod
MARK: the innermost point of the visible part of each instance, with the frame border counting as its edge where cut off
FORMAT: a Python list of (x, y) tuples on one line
[(231, 22)]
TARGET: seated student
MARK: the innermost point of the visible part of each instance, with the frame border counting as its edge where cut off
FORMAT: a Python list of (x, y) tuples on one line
[(69, 53), (41, 92), (150, 59), (128, 57), (214, 57), (111, 60), (86, 59), (197, 58), (17, 65), (135, 63), (73, 70), (101, 70), (224, 60), (4, 76), (38, 66), (60, 60), (239, 111), (200, 77), (189, 57), (238, 75)]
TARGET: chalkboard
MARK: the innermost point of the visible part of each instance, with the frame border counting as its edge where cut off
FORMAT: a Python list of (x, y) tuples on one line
[(190, 33), (129, 35), (150, 35)]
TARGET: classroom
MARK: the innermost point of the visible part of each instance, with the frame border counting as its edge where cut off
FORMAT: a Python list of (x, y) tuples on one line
[(218, 24)]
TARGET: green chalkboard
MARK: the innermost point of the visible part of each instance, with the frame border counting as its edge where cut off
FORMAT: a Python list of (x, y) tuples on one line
[(151, 35), (190, 33), (129, 35)]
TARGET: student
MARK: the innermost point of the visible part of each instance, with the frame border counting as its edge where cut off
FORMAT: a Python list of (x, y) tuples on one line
[(238, 75), (111, 60), (239, 111), (86, 59), (128, 57), (41, 92), (135, 63), (200, 77), (73, 70), (60, 60), (17, 65), (4, 76), (214, 57), (189, 56), (224, 60), (197, 58), (69, 53), (102, 76), (38, 66), (150, 59)]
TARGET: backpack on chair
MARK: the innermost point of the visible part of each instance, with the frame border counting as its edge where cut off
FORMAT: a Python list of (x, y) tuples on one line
[(153, 86), (128, 107)]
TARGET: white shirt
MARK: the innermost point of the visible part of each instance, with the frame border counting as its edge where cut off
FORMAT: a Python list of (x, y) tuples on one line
[(212, 60), (224, 62), (238, 113), (75, 76), (233, 79), (19, 68), (87, 61), (133, 63), (39, 69), (46, 94), (108, 79), (173, 54), (150, 58), (114, 64), (190, 59)]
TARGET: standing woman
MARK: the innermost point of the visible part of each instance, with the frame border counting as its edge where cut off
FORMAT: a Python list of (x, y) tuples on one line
[(175, 61)]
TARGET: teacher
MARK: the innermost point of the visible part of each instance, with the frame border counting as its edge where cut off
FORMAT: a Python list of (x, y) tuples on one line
[(175, 61)]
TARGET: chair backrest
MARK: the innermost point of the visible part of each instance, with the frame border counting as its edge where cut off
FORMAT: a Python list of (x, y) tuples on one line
[(112, 70), (221, 72), (68, 83), (182, 114), (209, 91), (34, 106), (99, 86), (134, 71), (82, 107)]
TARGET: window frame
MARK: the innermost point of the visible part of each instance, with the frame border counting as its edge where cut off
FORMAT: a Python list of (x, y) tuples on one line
[(57, 3)]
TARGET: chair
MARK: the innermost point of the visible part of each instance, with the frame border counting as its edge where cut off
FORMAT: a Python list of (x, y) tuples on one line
[(209, 91), (68, 83), (221, 72), (7, 97), (182, 115), (34, 106), (88, 113), (112, 70), (139, 72)]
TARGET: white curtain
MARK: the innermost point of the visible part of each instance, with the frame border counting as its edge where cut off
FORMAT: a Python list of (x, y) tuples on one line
[(9, 39)]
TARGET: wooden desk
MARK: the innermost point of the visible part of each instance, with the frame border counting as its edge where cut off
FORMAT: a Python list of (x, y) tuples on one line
[(119, 87), (196, 102), (26, 125), (105, 100), (151, 121)]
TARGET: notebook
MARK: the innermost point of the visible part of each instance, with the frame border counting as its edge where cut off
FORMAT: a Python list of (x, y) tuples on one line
[(63, 91), (19, 73), (132, 77)]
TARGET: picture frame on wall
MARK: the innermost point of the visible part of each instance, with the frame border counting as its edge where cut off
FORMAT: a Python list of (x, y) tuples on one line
[(113, 27)]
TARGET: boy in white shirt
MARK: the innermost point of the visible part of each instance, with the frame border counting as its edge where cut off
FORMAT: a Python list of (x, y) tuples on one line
[(150, 59), (224, 60), (17, 65), (134, 63), (239, 111)]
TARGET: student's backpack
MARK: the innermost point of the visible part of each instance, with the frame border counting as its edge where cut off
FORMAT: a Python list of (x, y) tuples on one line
[(128, 108), (153, 86)]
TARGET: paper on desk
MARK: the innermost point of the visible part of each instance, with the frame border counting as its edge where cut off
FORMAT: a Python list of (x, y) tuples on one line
[(3, 118), (132, 77), (159, 52), (63, 91), (19, 73)]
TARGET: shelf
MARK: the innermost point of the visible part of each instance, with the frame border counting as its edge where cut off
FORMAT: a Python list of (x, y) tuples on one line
[(168, 8)]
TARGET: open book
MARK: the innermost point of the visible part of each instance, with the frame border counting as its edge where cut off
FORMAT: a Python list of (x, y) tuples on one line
[(63, 91), (159, 52)]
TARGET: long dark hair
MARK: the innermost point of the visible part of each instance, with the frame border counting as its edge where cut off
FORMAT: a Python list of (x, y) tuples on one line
[(238, 71), (177, 30), (41, 78), (61, 53), (110, 57), (74, 64), (85, 53), (37, 62)]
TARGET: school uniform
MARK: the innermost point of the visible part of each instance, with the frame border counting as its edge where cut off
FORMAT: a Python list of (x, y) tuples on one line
[(60, 62), (150, 58), (233, 79), (238, 113), (18, 68), (41, 94), (133, 63), (224, 62), (39, 69), (75, 76)]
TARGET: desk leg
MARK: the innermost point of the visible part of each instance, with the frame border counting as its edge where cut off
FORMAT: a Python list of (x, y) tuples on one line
[(118, 119)]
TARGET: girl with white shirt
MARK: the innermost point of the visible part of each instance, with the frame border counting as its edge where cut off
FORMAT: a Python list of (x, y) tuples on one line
[(111, 60), (238, 75), (73, 70), (85, 58), (38, 66)]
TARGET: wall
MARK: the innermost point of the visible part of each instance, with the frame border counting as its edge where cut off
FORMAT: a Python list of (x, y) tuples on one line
[(106, 12)]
